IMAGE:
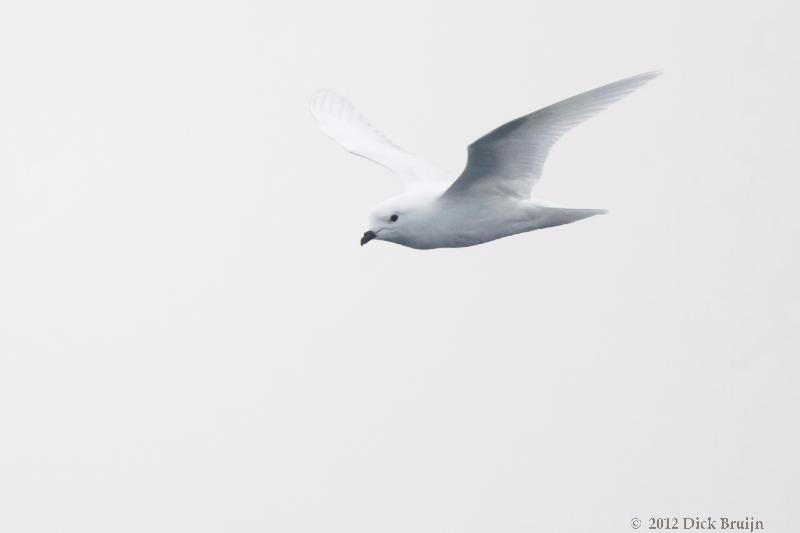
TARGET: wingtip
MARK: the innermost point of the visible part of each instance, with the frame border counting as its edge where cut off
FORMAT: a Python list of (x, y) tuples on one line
[(322, 93), (317, 99)]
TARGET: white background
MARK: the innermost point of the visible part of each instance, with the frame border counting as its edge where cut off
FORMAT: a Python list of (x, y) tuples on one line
[(192, 340)]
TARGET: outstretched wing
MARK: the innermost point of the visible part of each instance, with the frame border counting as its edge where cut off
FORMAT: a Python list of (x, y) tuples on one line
[(509, 160), (340, 120)]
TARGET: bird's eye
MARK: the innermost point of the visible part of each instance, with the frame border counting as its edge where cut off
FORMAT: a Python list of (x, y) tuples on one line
[(393, 218)]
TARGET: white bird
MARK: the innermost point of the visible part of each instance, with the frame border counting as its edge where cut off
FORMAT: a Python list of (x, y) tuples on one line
[(491, 198)]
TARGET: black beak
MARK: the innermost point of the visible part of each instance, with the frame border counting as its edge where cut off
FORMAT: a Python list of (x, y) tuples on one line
[(368, 236)]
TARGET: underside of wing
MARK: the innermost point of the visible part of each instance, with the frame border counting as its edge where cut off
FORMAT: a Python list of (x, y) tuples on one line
[(340, 120), (509, 159)]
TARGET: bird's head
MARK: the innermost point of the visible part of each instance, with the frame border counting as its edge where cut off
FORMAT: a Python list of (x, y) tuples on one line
[(400, 219)]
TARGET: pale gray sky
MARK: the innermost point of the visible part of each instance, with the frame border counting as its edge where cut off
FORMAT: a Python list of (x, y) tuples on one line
[(192, 339)]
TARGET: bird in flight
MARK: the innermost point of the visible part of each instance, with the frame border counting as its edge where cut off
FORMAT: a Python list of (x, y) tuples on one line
[(491, 199)]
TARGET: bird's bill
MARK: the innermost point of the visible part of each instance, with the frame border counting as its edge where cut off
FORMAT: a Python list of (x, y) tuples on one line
[(368, 236)]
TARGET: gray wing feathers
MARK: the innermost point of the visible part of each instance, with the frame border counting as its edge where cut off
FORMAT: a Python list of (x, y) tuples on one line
[(509, 159)]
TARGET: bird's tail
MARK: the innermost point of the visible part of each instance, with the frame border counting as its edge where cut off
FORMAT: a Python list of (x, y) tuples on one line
[(556, 216)]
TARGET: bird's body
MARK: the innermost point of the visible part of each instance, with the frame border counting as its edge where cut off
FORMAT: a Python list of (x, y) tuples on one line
[(444, 221), (491, 198)]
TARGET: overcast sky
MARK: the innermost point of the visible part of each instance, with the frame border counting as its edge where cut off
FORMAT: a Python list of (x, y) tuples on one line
[(191, 338)]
